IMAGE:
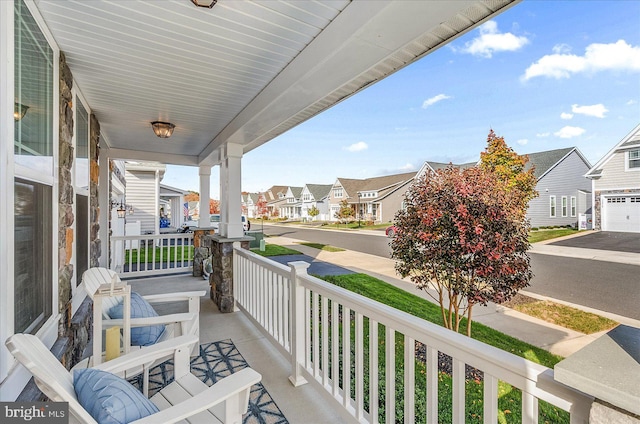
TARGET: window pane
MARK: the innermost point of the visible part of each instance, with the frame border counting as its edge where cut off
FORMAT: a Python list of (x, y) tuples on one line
[(33, 94), (82, 146), (82, 235), (33, 255)]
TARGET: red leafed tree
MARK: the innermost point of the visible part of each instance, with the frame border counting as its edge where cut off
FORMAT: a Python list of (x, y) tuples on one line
[(464, 236), (261, 206), (214, 206)]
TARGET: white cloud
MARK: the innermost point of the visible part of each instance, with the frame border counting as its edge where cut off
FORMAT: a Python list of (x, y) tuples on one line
[(618, 56), (569, 132), (631, 102), (491, 41), (596, 111), (357, 147), (433, 100), (522, 141), (407, 167), (543, 135), (561, 49), (566, 116)]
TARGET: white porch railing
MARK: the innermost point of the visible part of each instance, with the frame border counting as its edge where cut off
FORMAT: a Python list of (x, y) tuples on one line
[(152, 254), (305, 318)]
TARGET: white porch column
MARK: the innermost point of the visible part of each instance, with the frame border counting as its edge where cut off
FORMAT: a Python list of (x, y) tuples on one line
[(230, 191), (205, 195)]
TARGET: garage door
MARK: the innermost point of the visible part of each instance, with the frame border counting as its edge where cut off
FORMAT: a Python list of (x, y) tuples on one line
[(622, 213)]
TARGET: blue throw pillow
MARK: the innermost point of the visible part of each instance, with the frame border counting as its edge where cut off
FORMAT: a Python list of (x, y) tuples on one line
[(140, 308), (110, 399)]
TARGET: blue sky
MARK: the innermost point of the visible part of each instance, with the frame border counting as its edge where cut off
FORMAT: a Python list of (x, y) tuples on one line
[(544, 75)]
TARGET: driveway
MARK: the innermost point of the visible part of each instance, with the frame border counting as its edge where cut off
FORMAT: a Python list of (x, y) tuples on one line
[(604, 240), (316, 267)]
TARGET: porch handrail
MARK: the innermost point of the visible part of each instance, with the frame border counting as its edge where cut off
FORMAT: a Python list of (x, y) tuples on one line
[(313, 362), (163, 254)]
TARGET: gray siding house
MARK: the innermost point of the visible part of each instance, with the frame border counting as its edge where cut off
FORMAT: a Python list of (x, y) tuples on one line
[(616, 186), (564, 191)]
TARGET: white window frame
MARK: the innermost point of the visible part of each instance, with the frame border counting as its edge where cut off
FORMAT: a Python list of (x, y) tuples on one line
[(338, 193), (79, 190), (628, 160), (553, 207), (564, 205), (13, 382), (574, 206)]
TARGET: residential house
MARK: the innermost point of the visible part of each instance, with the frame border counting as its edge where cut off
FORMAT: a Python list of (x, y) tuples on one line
[(292, 208), (275, 197), (62, 101), (315, 196), (250, 204), (564, 194), (615, 182), (364, 196), (143, 191)]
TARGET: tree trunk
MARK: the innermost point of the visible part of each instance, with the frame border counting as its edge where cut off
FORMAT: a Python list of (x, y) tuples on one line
[(470, 306)]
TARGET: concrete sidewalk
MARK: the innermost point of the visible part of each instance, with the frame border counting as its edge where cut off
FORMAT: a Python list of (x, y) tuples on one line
[(555, 339)]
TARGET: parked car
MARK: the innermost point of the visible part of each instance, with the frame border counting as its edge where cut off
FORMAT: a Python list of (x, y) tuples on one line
[(391, 231)]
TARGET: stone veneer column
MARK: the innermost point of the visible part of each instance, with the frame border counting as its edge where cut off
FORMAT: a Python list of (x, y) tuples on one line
[(66, 197), (221, 279), (95, 245)]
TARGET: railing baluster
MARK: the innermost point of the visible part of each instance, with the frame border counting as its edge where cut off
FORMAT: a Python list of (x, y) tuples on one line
[(335, 338), (490, 402), (458, 391), (529, 408), (409, 380), (432, 385), (325, 341), (315, 347), (287, 312), (359, 344), (390, 374), (307, 329), (373, 370), (346, 356)]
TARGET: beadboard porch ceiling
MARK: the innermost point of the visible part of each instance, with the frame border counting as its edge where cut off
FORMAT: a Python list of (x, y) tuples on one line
[(242, 72)]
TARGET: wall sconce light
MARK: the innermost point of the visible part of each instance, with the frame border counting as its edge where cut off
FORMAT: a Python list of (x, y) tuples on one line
[(122, 208), (19, 111), (163, 129), (204, 3)]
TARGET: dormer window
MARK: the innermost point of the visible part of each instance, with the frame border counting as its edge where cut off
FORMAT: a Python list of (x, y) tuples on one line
[(337, 193)]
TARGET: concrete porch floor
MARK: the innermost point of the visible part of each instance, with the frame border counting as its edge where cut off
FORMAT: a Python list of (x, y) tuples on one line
[(299, 405)]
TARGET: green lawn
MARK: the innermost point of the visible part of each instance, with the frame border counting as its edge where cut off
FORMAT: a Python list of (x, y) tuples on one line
[(320, 246), (275, 250), (509, 403), (541, 235), (395, 297), (565, 316), (153, 255)]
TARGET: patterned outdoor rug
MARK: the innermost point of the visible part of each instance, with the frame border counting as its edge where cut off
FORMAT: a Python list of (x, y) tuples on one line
[(216, 361)]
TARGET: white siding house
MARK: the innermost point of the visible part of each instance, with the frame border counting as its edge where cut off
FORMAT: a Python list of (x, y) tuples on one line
[(562, 188), (616, 186), (143, 193)]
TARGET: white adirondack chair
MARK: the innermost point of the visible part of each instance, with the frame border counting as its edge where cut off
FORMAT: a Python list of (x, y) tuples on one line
[(186, 398), (176, 324)]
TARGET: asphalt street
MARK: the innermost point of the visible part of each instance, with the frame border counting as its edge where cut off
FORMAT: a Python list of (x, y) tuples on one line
[(606, 286)]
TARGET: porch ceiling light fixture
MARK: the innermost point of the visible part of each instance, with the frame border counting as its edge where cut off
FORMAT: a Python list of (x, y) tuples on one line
[(162, 129), (204, 3), (19, 111)]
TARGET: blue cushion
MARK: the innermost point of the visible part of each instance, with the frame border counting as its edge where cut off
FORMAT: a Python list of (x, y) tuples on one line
[(110, 399), (140, 308)]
